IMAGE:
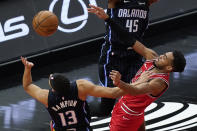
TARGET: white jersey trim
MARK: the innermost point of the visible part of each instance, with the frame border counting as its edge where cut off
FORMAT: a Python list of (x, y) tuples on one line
[(123, 106)]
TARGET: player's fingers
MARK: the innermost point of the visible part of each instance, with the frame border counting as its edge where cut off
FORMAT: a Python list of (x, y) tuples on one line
[(96, 12), (114, 71), (144, 73), (100, 9), (148, 72), (91, 11), (31, 64), (95, 7), (112, 77), (22, 59)]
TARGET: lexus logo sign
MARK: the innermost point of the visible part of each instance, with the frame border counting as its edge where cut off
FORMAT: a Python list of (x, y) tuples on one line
[(64, 10)]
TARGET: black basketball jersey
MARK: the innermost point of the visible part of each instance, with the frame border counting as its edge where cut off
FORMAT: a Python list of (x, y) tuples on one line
[(68, 111), (132, 15)]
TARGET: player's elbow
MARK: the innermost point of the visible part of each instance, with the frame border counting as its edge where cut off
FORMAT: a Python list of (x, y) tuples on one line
[(26, 86)]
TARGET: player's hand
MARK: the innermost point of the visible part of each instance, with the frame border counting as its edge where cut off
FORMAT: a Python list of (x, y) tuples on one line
[(144, 77), (115, 76), (98, 11), (26, 63)]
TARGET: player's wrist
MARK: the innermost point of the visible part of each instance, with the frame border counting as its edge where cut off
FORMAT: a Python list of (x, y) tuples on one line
[(28, 68), (107, 19), (118, 83)]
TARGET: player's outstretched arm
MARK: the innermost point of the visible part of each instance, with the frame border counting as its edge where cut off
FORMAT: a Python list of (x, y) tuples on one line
[(141, 86), (36, 92), (88, 88)]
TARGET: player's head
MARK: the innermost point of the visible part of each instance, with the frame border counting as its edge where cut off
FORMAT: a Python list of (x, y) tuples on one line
[(171, 62), (59, 83)]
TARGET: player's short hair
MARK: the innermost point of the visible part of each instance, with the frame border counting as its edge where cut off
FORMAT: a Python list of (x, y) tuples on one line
[(59, 83), (179, 61)]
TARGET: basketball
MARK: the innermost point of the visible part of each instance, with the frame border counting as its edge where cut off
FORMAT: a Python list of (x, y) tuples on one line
[(45, 23)]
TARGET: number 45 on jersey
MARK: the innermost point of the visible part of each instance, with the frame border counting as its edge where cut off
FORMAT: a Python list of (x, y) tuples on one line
[(132, 25)]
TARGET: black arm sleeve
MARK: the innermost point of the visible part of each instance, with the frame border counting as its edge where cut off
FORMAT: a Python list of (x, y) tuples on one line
[(124, 35)]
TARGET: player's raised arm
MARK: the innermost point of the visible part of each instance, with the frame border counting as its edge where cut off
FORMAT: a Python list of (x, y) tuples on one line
[(141, 49), (36, 92)]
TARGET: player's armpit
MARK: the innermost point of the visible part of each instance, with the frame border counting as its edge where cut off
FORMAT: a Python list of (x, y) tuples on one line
[(39, 94)]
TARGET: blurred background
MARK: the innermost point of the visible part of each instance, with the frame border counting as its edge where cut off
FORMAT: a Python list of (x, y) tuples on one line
[(74, 50)]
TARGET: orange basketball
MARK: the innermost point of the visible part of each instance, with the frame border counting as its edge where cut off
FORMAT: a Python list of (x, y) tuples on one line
[(45, 23)]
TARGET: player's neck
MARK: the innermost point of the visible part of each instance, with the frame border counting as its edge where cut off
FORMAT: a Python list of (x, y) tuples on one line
[(157, 70)]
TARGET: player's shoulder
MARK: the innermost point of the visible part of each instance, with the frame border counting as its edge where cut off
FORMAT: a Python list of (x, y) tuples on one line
[(81, 82), (159, 80)]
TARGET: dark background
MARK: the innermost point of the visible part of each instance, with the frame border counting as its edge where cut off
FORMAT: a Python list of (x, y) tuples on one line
[(32, 45)]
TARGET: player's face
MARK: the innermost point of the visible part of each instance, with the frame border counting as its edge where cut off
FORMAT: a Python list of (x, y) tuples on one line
[(164, 61)]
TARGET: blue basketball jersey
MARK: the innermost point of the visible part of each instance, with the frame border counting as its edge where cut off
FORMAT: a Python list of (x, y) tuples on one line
[(133, 17), (68, 111)]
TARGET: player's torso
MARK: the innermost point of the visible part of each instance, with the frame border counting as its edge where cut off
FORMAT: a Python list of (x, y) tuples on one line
[(68, 111), (133, 16), (140, 102)]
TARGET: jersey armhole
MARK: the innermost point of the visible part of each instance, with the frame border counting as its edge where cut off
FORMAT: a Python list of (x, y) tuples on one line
[(167, 85)]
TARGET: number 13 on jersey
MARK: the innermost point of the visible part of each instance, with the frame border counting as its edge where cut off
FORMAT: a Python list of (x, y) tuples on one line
[(132, 25), (71, 117)]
